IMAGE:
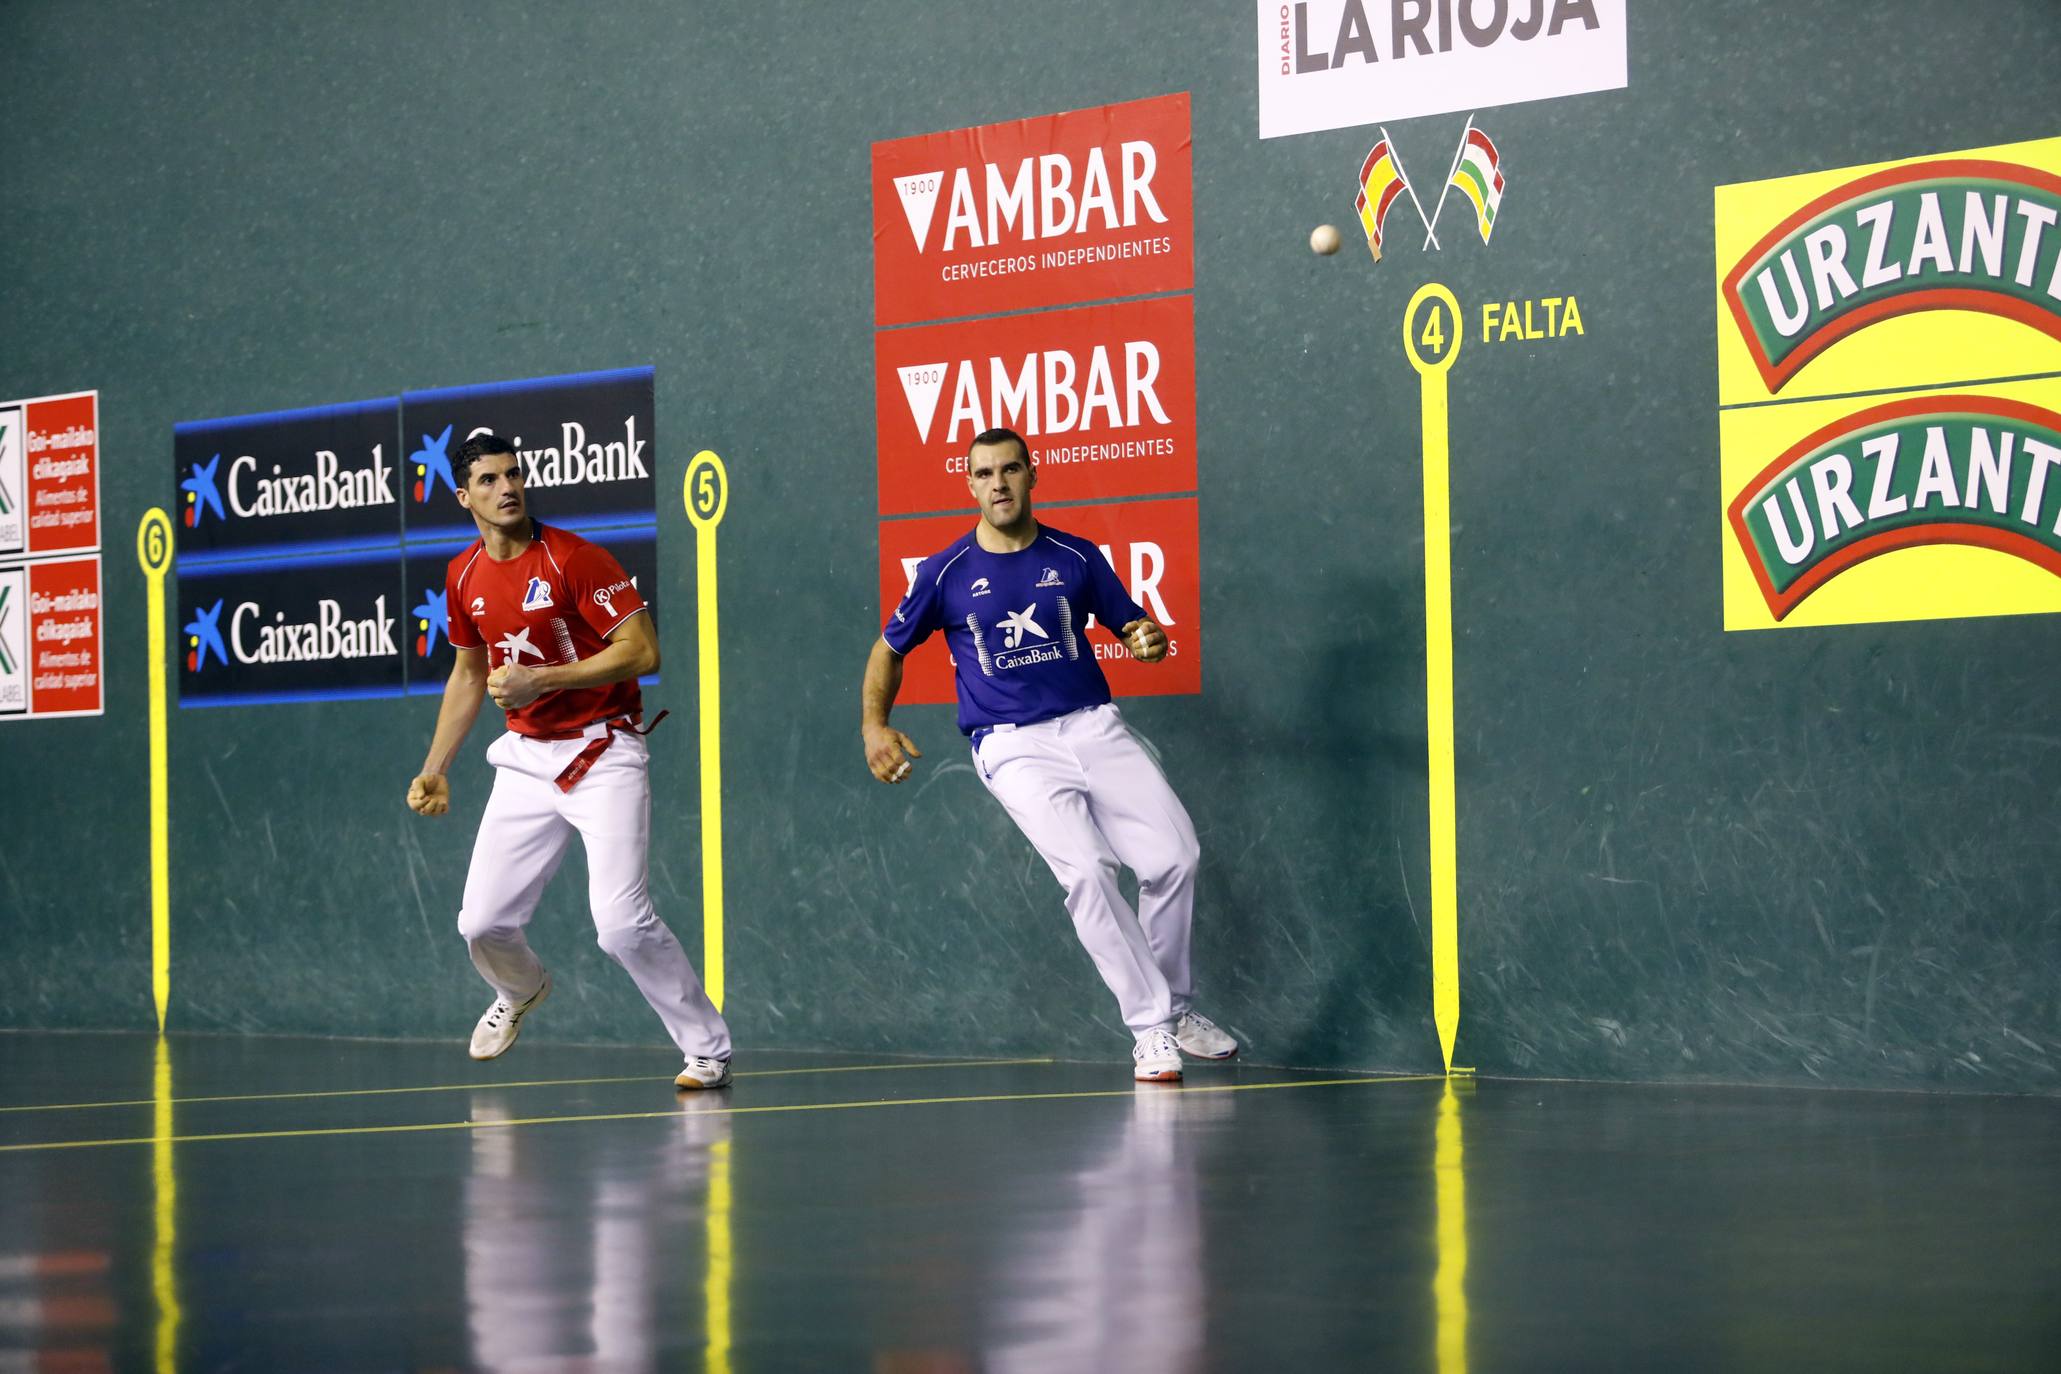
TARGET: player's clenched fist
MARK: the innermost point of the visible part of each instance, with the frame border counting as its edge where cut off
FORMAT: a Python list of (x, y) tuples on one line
[(885, 746), (1145, 640), (513, 686), (430, 795)]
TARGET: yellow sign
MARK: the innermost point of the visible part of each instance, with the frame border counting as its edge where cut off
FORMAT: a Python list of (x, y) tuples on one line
[(707, 494), (154, 553), (1432, 329), (1874, 466)]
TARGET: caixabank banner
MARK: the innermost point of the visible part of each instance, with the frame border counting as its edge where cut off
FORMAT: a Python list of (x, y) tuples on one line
[(312, 543), (1031, 213), (1152, 545), (1934, 495), (288, 482), (322, 628), (1104, 395), (288, 554), (585, 441)]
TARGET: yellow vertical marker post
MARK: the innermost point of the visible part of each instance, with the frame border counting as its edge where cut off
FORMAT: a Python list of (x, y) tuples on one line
[(1431, 338), (154, 552), (708, 496)]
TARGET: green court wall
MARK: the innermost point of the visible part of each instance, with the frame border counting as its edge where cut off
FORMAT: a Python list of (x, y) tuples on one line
[(1791, 857)]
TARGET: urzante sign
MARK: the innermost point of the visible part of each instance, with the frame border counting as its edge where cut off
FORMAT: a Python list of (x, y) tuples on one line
[(1912, 284), (1332, 64)]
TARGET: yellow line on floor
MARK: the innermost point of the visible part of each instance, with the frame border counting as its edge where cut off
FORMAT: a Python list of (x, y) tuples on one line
[(721, 1111), (528, 1083)]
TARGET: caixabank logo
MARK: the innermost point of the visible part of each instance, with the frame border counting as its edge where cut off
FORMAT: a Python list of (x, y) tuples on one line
[(585, 441), (305, 478), (312, 631), (1912, 283)]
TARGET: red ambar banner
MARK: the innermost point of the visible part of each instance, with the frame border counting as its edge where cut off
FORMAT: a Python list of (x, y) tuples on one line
[(64, 637), (1034, 212), (1153, 546), (61, 454), (1104, 395)]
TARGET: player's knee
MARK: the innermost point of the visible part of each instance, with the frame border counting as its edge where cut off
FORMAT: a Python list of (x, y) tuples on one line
[(623, 930), (1175, 867), (475, 926)]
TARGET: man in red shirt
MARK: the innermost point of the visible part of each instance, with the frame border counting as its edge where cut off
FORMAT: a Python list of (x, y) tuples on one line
[(550, 626)]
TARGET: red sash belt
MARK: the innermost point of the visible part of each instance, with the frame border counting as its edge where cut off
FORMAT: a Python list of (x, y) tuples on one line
[(584, 760)]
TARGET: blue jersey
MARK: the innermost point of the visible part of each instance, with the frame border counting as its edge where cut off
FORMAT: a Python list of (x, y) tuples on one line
[(1016, 624)]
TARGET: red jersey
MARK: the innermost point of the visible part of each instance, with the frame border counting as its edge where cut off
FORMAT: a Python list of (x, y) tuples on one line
[(555, 602)]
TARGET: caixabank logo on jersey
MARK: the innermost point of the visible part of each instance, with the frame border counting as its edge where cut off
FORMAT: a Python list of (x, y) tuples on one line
[(1936, 497), (321, 477), (585, 441), (326, 629)]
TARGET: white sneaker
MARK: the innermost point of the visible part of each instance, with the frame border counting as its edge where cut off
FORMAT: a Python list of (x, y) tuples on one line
[(704, 1072), (1196, 1034), (497, 1030), (1156, 1058)]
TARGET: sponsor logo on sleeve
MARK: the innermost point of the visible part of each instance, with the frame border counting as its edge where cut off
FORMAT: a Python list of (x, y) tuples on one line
[(604, 597)]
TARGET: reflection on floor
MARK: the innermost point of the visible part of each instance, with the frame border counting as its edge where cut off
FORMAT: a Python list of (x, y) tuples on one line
[(219, 1203)]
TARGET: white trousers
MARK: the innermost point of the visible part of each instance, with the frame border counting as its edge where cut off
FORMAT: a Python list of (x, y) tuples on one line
[(1090, 799), (523, 836)]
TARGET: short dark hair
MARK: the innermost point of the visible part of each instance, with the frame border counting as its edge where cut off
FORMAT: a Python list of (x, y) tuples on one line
[(1000, 435), (477, 447)]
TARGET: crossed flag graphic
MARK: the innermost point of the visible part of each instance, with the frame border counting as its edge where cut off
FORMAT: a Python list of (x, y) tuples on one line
[(1477, 170)]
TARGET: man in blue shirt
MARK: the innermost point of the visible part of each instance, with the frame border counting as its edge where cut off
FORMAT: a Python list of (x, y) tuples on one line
[(1014, 599)]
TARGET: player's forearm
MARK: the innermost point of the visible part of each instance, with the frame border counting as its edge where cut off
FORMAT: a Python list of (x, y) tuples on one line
[(883, 683), (621, 661), (463, 692)]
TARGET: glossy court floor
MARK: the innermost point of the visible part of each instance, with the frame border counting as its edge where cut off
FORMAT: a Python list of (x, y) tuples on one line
[(307, 1205)]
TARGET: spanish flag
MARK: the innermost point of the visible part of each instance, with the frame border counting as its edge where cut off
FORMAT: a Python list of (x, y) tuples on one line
[(1478, 173), (1381, 184)]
